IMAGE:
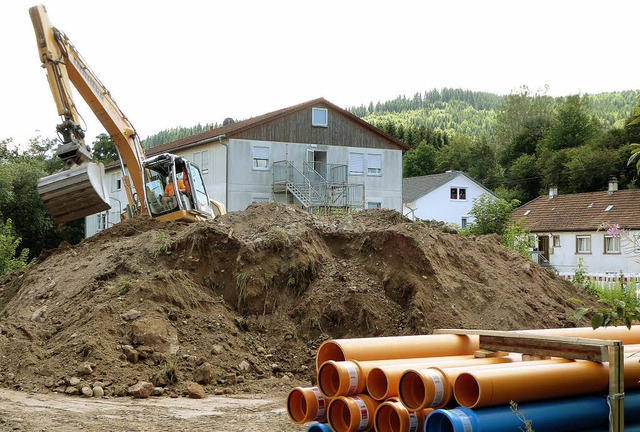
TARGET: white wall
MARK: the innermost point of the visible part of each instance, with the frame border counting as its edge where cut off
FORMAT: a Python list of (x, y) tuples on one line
[(565, 260), (438, 205), (246, 183)]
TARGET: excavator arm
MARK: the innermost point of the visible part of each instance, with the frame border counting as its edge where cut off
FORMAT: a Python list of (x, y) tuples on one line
[(79, 190)]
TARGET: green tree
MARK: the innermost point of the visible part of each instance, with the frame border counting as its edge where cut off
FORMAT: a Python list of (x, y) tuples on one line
[(573, 125), (491, 215), (9, 242), (104, 149), (419, 161)]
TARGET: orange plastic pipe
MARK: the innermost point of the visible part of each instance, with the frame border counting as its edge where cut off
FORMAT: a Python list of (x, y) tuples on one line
[(395, 347), (433, 387), (352, 413), (305, 404), (481, 388), (383, 381), (392, 416), (343, 378)]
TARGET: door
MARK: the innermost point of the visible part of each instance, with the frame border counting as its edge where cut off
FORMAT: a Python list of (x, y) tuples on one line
[(543, 247)]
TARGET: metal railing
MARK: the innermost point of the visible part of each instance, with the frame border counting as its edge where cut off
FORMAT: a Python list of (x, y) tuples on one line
[(319, 185)]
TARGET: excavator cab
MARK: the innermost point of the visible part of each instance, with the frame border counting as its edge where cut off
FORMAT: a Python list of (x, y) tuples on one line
[(174, 189)]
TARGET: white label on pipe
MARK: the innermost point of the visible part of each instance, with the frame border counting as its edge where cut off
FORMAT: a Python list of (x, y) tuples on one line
[(322, 406), (438, 386), (353, 378), (364, 413), (464, 419), (413, 422)]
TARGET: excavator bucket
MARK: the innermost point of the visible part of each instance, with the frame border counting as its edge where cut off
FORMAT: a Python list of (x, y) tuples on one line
[(75, 193)]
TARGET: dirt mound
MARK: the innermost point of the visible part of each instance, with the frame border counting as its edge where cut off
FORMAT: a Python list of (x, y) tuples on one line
[(253, 294)]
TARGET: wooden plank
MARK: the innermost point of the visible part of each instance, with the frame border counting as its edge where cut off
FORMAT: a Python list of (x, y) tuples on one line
[(539, 345)]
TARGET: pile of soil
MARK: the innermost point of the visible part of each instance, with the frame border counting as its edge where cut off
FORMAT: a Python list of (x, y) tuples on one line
[(252, 294)]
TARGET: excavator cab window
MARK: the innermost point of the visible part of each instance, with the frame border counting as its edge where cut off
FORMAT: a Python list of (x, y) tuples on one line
[(198, 191)]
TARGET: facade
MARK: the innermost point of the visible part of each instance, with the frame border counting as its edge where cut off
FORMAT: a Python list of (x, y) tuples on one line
[(446, 197), (598, 230), (315, 154)]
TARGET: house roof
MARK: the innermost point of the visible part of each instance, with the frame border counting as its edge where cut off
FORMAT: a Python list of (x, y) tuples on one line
[(416, 187), (581, 212), (230, 130)]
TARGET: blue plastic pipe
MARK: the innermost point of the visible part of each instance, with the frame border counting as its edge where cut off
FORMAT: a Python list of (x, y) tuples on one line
[(319, 427), (559, 415)]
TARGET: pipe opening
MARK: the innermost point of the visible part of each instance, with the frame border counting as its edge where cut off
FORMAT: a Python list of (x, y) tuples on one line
[(329, 379), (412, 390), (297, 406), (329, 350), (377, 384), (339, 415), (387, 419), (466, 390), (439, 422)]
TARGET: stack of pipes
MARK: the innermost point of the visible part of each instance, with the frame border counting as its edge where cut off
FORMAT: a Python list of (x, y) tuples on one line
[(413, 383)]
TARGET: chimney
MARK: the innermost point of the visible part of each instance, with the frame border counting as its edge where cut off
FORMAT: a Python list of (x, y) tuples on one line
[(553, 191), (613, 185)]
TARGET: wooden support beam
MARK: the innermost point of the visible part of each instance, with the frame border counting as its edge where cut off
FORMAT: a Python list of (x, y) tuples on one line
[(539, 345)]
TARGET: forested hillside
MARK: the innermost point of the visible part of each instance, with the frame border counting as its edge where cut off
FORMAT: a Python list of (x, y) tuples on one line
[(474, 113)]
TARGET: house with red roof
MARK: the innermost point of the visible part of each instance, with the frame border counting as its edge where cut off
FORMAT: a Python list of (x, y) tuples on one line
[(314, 154), (598, 229)]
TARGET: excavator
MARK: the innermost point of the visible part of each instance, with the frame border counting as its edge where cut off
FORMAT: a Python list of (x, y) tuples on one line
[(79, 189)]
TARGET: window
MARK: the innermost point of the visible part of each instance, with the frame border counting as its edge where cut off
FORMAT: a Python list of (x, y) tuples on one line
[(374, 205), (611, 245), (356, 163), (374, 164), (583, 244), (319, 117), (116, 182), (458, 193), (260, 158), (201, 159), (556, 241), (463, 222), (102, 221)]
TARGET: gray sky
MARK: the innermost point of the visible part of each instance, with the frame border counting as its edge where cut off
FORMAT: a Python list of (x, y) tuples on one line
[(171, 64)]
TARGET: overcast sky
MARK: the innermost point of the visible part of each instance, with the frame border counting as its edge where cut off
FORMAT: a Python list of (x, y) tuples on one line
[(186, 62)]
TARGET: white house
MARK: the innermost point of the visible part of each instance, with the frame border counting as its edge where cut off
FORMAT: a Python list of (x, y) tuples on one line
[(315, 154), (600, 229), (446, 197)]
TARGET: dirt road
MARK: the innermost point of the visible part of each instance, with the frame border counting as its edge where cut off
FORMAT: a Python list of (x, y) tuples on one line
[(21, 411)]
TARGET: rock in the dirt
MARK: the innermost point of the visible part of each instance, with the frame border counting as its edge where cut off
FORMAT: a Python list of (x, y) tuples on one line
[(98, 391), (217, 349), (85, 369), (74, 381), (196, 391), (141, 390), (159, 379), (204, 374), (87, 391), (131, 353), (244, 366), (40, 315), (156, 333), (72, 391), (131, 315), (157, 391), (231, 379)]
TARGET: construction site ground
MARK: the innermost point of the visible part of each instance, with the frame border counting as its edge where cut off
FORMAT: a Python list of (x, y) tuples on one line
[(240, 305)]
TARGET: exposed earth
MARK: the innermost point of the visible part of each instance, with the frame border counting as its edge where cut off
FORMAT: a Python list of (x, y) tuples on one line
[(240, 305)]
